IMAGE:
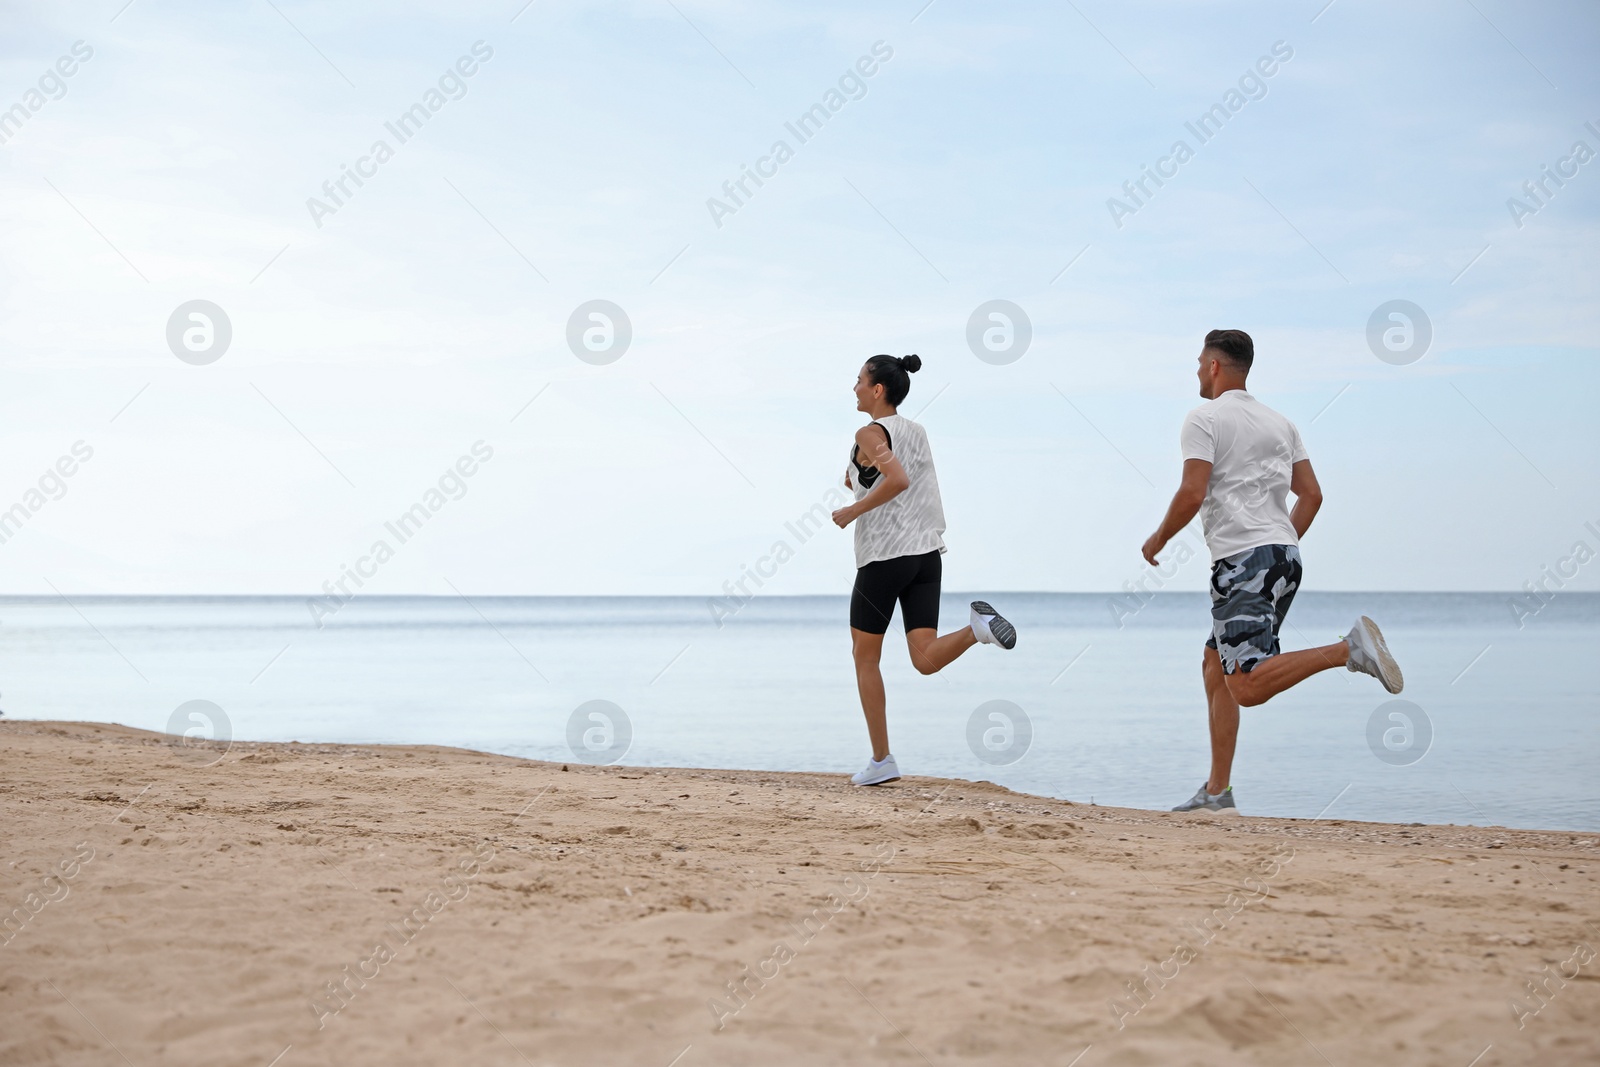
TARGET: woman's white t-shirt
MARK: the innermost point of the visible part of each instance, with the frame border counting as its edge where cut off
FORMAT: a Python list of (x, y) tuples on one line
[(913, 522)]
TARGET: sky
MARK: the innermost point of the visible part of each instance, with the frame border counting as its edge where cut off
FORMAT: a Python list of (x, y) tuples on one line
[(387, 338)]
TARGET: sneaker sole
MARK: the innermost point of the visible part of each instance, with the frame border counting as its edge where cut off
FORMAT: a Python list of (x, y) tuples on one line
[(1388, 670), (1004, 634), (880, 781)]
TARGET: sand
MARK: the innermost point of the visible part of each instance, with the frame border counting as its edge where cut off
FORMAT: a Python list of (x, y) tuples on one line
[(328, 904)]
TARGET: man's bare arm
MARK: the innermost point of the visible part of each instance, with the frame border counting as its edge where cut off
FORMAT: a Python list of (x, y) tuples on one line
[(1185, 505), (1307, 496)]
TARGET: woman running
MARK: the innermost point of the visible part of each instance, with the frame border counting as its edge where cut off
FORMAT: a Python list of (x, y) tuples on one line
[(899, 522)]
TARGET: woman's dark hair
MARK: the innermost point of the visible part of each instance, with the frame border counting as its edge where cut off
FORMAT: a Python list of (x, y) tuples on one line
[(892, 372)]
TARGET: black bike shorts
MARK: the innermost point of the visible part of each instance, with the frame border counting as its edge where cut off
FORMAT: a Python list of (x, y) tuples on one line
[(912, 580)]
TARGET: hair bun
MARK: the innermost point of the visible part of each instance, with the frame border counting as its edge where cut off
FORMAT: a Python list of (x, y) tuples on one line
[(911, 364)]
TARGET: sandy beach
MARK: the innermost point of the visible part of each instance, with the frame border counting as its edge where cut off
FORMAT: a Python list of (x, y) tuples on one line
[(319, 904)]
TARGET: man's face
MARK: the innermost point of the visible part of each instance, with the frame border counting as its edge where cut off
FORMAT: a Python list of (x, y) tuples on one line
[(1208, 374)]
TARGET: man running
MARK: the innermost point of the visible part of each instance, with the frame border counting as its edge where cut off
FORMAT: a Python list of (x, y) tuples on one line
[(1241, 460)]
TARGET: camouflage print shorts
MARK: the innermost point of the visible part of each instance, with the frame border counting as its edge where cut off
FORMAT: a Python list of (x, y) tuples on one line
[(1250, 594)]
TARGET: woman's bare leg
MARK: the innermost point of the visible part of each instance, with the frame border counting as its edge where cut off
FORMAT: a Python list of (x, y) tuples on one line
[(868, 651), (931, 653)]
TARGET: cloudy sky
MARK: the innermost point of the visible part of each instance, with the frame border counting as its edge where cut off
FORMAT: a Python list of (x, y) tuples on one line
[(378, 335)]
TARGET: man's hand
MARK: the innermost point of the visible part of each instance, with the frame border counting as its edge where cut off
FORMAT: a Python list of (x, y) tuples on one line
[(1184, 507), (844, 516), (1152, 547)]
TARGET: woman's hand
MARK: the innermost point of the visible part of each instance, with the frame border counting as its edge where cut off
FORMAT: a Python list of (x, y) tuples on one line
[(872, 442)]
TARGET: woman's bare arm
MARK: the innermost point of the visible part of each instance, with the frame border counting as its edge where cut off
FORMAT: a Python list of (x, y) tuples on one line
[(873, 443)]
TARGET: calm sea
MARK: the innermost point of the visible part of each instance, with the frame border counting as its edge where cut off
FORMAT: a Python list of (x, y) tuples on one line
[(1099, 702)]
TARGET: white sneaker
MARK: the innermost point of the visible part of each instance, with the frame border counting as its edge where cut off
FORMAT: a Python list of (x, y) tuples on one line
[(990, 628), (877, 773), (1370, 655)]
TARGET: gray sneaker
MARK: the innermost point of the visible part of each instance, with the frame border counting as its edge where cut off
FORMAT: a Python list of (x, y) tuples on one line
[(1221, 803), (1370, 655)]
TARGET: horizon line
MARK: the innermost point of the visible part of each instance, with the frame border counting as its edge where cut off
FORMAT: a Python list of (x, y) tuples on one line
[(4, 596)]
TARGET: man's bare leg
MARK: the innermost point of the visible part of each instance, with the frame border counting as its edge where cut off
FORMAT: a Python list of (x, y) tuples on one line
[(868, 651), (1275, 674), (1224, 722)]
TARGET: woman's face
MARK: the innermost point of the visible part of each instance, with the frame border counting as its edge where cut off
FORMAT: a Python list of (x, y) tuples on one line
[(866, 392)]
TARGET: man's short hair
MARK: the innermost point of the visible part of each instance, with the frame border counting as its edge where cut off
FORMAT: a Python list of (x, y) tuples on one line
[(1235, 346)]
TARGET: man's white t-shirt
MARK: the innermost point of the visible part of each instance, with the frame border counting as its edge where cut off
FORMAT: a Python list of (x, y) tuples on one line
[(1251, 449)]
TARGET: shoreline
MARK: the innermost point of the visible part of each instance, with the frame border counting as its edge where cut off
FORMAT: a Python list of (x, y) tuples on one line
[(421, 904), (822, 776)]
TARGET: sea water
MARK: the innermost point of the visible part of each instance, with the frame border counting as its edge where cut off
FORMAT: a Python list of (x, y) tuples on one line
[(1101, 700)]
